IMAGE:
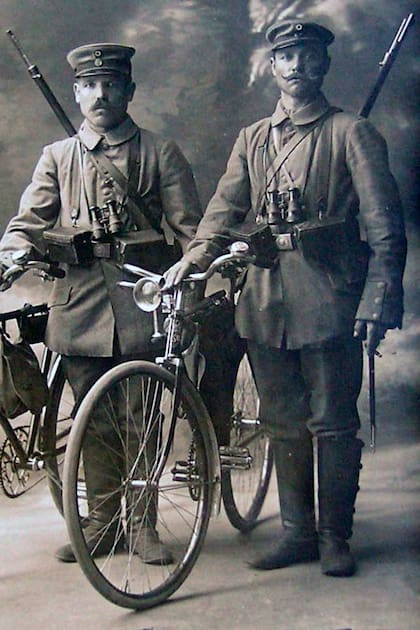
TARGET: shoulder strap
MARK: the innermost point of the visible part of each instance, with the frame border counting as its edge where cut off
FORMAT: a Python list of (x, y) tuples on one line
[(108, 169), (288, 148), (323, 170)]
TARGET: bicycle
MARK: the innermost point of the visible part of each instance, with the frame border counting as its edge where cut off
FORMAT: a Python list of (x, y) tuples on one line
[(156, 431), (40, 443)]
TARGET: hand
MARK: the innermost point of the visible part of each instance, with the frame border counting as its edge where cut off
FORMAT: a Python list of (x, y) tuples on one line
[(175, 274), (370, 332), (3, 285)]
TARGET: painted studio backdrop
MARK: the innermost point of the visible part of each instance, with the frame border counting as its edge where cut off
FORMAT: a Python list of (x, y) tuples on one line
[(202, 72)]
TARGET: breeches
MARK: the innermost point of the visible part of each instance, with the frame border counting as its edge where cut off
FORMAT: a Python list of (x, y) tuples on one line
[(314, 388), (83, 372)]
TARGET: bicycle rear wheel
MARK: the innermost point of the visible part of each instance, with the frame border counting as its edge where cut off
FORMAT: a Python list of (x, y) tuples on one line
[(244, 490), (57, 422), (158, 472)]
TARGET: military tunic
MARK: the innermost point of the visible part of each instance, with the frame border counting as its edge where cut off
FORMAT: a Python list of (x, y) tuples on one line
[(87, 305), (299, 302)]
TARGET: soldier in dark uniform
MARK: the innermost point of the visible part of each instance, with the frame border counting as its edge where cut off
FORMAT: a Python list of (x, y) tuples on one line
[(93, 323), (313, 174)]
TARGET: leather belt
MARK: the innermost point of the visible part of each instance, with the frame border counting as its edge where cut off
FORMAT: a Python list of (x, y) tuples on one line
[(285, 242)]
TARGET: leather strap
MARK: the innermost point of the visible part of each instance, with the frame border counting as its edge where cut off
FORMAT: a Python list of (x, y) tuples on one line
[(290, 146), (107, 169)]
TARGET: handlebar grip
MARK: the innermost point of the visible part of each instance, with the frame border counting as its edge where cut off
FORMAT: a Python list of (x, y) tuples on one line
[(55, 272)]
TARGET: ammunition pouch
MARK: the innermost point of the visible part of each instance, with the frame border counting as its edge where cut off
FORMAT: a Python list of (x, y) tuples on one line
[(334, 246), (146, 248), (69, 245), (323, 242)]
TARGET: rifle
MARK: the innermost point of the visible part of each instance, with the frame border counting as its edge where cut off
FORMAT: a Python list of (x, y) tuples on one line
[(43, 86), (386, 64)]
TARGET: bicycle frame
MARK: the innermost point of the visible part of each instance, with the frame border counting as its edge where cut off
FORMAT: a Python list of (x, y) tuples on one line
[(31, 458)]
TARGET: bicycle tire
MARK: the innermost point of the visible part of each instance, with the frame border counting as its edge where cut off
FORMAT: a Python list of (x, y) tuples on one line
[(182, 495), (57, 421), (244, 491)]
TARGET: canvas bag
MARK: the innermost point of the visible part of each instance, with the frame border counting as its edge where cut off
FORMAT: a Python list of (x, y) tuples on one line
[(23, 387)]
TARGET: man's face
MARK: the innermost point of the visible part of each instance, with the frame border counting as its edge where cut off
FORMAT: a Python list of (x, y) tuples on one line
[(300, 69), (103, 99)]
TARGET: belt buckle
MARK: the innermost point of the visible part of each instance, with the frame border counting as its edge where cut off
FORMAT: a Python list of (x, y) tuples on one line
[(284, 242), (102, 250)]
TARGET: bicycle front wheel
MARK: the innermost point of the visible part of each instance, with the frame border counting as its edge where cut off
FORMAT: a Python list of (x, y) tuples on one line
[(244, 488), (55, 431), (142, 468)]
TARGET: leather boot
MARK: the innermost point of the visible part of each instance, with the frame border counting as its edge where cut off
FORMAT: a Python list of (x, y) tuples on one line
[(295, 481), (103, 482), (338, 479)]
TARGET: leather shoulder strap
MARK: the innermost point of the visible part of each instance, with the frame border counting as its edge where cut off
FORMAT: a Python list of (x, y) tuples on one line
[(288, 148), (107, 169)]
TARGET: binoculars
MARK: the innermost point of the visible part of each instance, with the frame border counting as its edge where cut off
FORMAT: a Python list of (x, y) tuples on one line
[(284, 206), (106, 220)]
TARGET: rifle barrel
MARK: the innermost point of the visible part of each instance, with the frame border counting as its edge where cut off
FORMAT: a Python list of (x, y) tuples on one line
[(386, 64), (43, 86)]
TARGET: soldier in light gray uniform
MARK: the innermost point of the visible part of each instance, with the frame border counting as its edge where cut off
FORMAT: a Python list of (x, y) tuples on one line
[(311, 172), (93, 323)]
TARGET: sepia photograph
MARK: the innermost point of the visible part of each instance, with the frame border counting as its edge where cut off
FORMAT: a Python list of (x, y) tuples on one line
[(209, 315)]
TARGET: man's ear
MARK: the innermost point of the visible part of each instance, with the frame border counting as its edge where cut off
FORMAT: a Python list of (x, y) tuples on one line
[(131, 88), (76, 92), (273, 65)]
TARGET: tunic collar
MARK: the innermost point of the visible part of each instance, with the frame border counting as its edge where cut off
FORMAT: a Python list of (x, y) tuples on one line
[(123, 133), (308, 114)]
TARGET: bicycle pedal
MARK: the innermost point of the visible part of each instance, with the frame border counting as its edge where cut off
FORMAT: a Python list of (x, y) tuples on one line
[(235, 458), (184, 471)]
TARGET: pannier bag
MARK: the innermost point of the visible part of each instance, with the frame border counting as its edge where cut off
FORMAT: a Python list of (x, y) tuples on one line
[(23, 387)]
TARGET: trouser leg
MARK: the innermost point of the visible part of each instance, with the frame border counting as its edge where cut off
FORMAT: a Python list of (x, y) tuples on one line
[(276, 374), (312, 391), (100, 463), (141, 436)]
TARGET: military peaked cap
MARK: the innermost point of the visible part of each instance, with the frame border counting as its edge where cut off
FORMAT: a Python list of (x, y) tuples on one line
[(101, 59), (292, 32)]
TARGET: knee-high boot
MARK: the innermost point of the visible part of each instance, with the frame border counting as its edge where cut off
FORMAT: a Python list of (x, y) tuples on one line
[(295, 481), (338, 480)]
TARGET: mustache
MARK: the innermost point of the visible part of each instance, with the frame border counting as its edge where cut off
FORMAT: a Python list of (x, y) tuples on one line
[(100, 104), (294, 75), (311, 75)]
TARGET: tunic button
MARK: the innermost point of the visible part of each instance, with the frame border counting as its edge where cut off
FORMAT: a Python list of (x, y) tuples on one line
[(375, 316), (377, 300), (381, 285), (104, 145)]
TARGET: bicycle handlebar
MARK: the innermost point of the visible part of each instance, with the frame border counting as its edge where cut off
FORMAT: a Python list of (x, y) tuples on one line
[(232, 257), (239, 253), (19, 268)]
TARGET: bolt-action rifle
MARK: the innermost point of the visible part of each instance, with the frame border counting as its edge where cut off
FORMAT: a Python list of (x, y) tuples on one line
[(43, 86), (385, 66)]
